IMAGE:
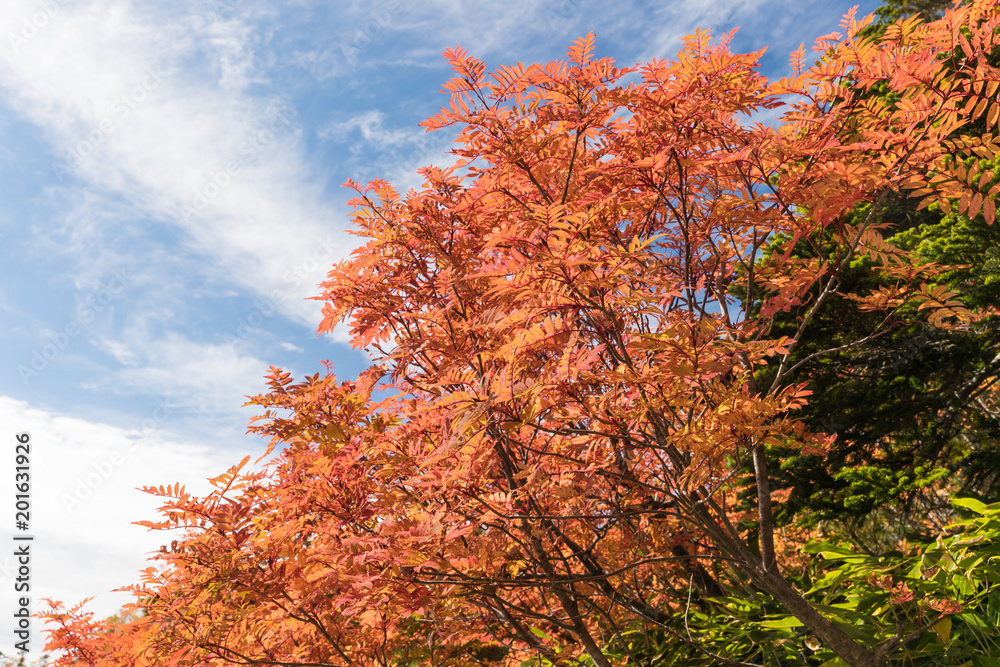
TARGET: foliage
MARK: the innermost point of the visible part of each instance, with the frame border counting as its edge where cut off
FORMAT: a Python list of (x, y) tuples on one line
[(85, 641), (892, 11), (576, 387), (913, 410), (913, 407), (936, 600)]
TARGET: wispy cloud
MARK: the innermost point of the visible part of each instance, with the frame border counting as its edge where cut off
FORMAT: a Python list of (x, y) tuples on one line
[(159, 110), (382, 148), (371, 126), (208, 380)]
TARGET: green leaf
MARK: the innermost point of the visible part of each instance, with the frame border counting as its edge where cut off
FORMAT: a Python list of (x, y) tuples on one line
[(541, 633), (781, 623), (969, 503), (835, 662)]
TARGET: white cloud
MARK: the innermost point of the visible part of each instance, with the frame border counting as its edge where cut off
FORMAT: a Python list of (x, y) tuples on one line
[(84, 476), (122, 353), (207, 380), (378, 149), (370, 125)]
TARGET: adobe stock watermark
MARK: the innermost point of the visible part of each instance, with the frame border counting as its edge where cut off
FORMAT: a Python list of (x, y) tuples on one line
[(559, 15), (95, 303), (219, 180), (32, 25), (379, 18), (120, 110), (324, 254), (249, 324), (101, 471)]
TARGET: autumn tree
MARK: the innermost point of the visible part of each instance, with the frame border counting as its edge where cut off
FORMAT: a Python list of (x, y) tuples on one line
[(573, 321), (83, 640)]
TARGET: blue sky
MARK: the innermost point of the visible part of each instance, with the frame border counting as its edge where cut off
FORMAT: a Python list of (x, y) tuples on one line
[(170, 196)]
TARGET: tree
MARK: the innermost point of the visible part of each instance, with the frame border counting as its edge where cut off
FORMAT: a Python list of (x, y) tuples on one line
[(84, 641), (577, 385), (912, 408), (892, 11)]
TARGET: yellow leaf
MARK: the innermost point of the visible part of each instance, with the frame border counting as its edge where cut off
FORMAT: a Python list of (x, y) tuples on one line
[(943, 629), (334, 432)]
